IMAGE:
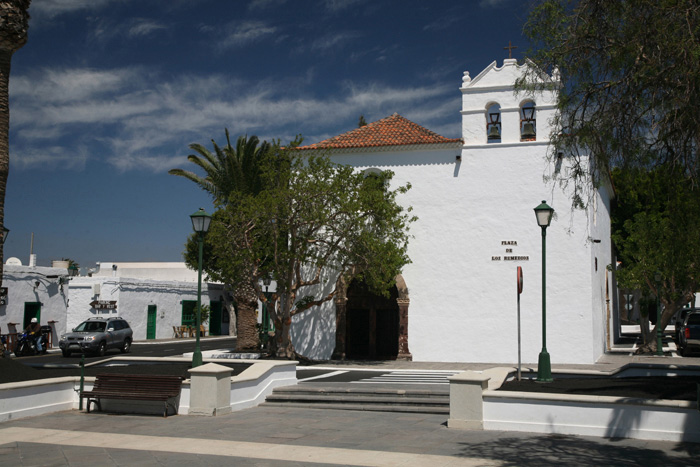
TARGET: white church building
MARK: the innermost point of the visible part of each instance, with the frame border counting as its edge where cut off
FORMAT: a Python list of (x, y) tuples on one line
[(474, 198)]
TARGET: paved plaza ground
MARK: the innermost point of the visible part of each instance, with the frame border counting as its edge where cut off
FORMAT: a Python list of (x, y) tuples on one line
[(275, 436), (282, 436)]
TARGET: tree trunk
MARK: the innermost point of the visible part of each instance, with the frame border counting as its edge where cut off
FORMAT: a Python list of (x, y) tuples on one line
[(247, 335), (5, 58), (14, 22), (247, 300), (284, 348), (669, 310), (281, 346)]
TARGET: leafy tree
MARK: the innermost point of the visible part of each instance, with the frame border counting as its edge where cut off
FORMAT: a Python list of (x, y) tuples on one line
[(362, 122), (71, 263), (205, 314), (630, 82), (230, 171), (14, 23), (313, 222), (655, 230), (629, 78)]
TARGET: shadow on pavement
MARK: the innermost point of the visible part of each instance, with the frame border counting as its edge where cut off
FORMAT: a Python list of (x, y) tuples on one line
[(568, 450)]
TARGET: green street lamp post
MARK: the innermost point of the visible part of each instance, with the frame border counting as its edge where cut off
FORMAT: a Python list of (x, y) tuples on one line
[(265, 321), (544, 367), (200, 224), (659, 344)]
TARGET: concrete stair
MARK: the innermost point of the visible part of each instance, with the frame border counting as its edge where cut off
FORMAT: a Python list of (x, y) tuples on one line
[(362, 398)]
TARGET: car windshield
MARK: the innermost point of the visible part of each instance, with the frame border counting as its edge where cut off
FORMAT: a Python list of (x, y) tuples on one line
[(90, 326)]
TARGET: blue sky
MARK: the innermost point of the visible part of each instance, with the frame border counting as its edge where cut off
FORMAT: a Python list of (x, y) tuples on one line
[(107, 95)]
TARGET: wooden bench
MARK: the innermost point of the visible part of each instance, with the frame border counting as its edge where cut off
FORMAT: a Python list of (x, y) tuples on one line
[(134, 387)]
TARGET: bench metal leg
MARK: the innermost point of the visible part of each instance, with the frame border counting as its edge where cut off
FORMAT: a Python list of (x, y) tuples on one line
[(94, 401)]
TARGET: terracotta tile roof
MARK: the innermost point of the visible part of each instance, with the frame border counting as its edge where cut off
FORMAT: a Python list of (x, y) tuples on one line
[(390, 131)]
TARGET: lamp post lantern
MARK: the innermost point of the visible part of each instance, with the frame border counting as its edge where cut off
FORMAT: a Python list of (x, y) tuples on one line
[(544, 367), (5, 233), (659, 344), (200, 224)]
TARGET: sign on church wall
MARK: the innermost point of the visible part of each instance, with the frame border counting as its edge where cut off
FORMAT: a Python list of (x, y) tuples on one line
[(509, 253)]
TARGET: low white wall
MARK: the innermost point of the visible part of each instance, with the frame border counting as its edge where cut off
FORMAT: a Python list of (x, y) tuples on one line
[(610, 417), (32, 398), (39, 397), (603, 416), (252, 386)]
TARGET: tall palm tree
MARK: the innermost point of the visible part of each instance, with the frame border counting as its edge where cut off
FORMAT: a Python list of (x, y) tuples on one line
[(231, 170), (14, 23)]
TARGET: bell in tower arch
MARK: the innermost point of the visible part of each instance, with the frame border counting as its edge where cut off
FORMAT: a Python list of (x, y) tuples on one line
[(528, 132), (494, 130)]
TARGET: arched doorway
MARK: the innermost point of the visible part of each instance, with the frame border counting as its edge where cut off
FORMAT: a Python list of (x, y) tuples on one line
[(372, 324), (399, 296)]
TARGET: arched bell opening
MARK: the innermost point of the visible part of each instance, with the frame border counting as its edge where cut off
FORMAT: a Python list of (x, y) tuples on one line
[(493, 123), (528, 122)]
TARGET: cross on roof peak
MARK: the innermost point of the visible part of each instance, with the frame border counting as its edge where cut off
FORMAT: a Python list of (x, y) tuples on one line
[(510, 49)]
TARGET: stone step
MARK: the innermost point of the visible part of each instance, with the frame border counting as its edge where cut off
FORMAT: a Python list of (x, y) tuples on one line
[(356, 399), (360, 391), (365, 407), (362, 398)]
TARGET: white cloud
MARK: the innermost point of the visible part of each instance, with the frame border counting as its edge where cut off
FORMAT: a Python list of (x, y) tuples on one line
[(443, 23), (105, 30), (56, 7), (143, 27), (340, 5), (51, 86), (238, 35), (332, 41), (264, 4), (134, 119), (50, 157), (492, 3)]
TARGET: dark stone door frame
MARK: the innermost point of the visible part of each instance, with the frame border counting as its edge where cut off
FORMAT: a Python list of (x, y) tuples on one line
[(341, 319)]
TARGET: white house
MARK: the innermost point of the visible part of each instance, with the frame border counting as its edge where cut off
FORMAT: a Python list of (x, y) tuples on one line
[(152, 297), (39, 292), (164, 271), (474, 197)]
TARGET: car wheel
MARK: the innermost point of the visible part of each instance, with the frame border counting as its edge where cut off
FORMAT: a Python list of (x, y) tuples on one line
[(126, 346), (102, 349), (65, 352)]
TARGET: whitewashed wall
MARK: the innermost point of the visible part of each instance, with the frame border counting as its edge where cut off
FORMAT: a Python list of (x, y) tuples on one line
[(463, 301), (65, 302), (163, 271), (313, 331), (133, 296), (21, 283)]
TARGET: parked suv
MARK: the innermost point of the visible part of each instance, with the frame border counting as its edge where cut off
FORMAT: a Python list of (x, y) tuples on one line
[(96, 335), (690, 334), (680, 321)]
